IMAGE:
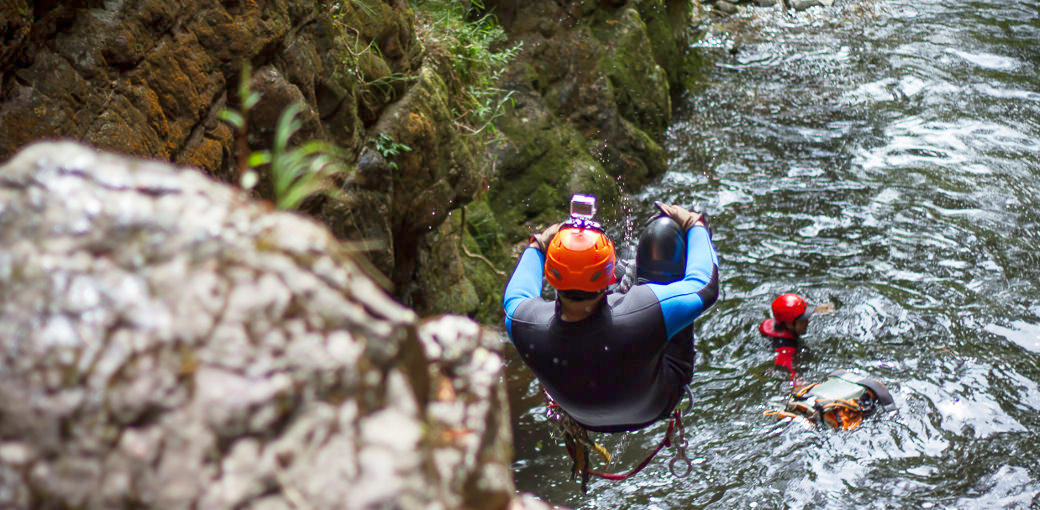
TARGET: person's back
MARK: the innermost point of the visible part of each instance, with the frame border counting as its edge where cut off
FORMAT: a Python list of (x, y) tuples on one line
[(613, 360), (616, 364)]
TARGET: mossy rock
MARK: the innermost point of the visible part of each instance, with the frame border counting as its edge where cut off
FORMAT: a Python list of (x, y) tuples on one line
[(448, 288), (640, 86), (541, 163), (667, 26), (487, 259)]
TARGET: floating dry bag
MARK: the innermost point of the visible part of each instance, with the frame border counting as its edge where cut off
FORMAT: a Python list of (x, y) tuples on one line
[(841, 401)]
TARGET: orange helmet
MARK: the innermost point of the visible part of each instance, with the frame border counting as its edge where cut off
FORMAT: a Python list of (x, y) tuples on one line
[(580, 259)]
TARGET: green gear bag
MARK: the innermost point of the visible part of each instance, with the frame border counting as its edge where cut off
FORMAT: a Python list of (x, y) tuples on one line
[(841, 401)]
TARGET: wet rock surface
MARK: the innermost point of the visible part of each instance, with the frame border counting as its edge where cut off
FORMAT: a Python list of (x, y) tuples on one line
[(165, 342)]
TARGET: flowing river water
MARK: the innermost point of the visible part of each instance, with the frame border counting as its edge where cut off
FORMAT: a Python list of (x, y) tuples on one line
[(884, 158)]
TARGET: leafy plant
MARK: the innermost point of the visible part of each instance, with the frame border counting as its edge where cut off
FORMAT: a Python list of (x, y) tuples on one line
[(471, 38), (390, 148), (385, 85), (296, 173), (299, 172), (247, 99)]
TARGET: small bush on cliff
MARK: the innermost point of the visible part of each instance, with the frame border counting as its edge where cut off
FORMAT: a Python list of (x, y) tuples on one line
[(296, 173), (470, 40), (389, 148)]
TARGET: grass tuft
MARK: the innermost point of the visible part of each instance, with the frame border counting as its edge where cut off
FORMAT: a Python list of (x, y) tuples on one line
[(472, 41)]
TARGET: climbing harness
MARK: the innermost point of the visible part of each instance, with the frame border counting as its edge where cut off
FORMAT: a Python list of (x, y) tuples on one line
[(576, 438), (841, 401)]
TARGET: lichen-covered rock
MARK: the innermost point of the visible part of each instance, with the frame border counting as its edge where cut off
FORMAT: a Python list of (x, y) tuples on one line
[(148, 78), (165, 342)]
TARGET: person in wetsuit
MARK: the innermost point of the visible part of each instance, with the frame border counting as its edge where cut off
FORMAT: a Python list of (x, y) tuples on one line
[(790, 321), (613, 361)]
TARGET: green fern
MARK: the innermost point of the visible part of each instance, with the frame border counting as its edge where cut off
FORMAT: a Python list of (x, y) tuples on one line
[(296, 173)]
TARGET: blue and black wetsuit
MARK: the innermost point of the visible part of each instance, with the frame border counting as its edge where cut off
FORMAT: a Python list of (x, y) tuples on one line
[(625, 366)]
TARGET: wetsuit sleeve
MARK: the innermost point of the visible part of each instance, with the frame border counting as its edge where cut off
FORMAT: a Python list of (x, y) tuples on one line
[(525, 283), (684, 300)]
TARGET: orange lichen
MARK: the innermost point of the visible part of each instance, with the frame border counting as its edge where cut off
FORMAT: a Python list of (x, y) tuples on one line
[(418, 124)]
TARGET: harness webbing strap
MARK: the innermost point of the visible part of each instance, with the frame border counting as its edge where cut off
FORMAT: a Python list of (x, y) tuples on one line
[(666, 442), (580, 455)]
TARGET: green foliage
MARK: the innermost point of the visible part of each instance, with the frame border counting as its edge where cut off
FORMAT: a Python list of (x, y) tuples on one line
[(385, 85), (296, 173), (364, 7), (299, 172), (248, 99), (361, 60), (471, 39), (390, 148)]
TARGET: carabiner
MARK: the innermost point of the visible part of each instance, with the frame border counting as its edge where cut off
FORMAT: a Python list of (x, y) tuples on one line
[(681, 454)]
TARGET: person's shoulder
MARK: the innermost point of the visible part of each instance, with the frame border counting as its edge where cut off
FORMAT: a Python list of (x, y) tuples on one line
[(535, 307), (635, 298)]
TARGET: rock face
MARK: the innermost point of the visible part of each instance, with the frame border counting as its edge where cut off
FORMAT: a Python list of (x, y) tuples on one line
[(591, 98), (594, 79), (592, 89), (165, 342), (148, 78)]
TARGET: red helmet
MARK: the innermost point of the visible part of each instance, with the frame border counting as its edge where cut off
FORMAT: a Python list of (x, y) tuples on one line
[(580, 259), (789, 307)]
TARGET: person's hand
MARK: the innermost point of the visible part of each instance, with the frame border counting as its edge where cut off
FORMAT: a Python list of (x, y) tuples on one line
[(686, 219), (625, 271), (541, 239)]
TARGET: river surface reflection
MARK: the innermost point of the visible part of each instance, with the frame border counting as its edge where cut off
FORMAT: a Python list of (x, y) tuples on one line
[(883, 157)]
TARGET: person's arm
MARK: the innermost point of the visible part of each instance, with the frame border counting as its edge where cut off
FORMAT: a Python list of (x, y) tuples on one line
[(525, 283), (684, 300)]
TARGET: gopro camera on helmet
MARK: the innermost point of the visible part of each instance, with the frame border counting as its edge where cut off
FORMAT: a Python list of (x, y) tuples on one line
[(583, 206), (583, 210)]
